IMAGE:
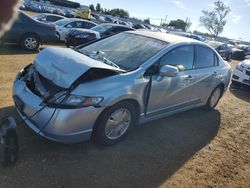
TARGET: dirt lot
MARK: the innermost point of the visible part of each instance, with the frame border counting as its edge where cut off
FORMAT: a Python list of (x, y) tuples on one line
[(192, 149)]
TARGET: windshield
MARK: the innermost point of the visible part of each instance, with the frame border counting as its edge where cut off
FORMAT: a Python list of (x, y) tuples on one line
[(126, 50), (62, 22), (101, 28)]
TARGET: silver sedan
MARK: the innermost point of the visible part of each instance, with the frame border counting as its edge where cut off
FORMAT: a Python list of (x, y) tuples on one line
[(102, 90)]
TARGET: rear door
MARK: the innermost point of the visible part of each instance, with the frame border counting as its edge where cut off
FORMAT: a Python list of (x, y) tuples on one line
[(207, 74), (174, 93)]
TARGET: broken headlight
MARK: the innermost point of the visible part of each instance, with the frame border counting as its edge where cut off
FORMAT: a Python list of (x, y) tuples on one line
[(74, 101)]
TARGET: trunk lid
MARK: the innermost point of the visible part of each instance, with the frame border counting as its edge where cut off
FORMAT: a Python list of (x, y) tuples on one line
[(63, 66)]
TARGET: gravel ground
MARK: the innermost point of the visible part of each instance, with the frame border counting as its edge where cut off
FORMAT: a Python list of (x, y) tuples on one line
[(191, 149)]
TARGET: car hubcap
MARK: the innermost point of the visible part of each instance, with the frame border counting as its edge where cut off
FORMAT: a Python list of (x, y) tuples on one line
[(215, 97), (118, 123), (30, 43)]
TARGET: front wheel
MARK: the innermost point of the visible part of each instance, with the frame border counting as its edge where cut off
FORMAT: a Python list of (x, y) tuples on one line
[(214, 98), (114, 123)]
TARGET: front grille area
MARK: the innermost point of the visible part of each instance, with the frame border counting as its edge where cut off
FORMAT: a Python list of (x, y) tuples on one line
[(41, 86), (246, 81)]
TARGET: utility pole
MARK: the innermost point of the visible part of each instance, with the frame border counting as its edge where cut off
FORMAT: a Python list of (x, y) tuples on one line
[(166, 17)]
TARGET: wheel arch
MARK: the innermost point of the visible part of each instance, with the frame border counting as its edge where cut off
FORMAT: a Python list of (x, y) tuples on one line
[(134, 102)]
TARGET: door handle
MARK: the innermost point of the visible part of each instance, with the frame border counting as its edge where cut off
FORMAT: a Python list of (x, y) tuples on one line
[(215, 74), (189, 77)]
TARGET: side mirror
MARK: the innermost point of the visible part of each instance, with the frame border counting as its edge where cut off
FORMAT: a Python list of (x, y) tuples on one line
[(169, 71)]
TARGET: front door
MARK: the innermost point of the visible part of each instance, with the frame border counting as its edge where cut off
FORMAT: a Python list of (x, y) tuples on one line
[(172, 93)]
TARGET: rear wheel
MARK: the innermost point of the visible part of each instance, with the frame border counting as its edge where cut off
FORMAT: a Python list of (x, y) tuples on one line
[(114, 123), (214, 98), (58, 36), (30, 42)]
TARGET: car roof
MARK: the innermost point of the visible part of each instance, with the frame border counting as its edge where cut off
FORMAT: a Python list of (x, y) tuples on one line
[(169, 38)]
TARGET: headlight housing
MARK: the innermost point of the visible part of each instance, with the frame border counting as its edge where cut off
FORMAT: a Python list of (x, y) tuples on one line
[(240, 67), (60, 100)]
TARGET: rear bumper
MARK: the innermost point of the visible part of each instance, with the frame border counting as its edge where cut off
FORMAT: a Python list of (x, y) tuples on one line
[(61, 125), (50, 39)]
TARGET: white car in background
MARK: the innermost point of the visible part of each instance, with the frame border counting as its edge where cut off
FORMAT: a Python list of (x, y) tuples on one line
[(63, 26), (241, 74)]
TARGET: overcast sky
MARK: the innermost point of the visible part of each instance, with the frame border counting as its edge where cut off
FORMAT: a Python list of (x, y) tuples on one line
[(238, 21)]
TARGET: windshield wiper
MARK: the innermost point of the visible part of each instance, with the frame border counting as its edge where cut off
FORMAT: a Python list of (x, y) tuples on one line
[(99, 55)]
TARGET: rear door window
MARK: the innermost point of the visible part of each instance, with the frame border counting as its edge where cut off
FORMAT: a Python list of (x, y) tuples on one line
[(87, 25), (52, 18), (205, 57)]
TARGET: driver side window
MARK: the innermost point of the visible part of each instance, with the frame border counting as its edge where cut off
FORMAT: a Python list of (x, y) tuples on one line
[(180, 57)]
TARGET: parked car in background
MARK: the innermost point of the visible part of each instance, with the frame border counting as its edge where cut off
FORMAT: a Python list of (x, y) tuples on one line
[(69, 13), (63, 26), (223, 49), (139, 26), (29, 33), (241, 74), (190, 35), (238, 54), (103, 89), (245, 48), (48, 18), (81, 36), (58, 11), (83, 13)]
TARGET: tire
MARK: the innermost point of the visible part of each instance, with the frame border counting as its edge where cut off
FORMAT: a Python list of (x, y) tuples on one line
[(212, 102), (229, 57), (235, 85), (107, 134), (58, 36), (30, 42)]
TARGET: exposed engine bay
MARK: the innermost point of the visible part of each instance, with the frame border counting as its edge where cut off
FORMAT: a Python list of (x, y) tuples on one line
[(46, 89)]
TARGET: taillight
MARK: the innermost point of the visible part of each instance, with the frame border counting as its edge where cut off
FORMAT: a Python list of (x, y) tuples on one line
[(53, 29)]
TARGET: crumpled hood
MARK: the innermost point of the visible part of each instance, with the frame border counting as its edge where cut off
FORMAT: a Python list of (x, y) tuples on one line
[(246, 63), (63, 65)]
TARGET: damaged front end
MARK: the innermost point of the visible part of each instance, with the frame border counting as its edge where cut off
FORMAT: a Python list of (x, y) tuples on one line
[(53, 111), (44, 96), (38, 84), (56, 96)]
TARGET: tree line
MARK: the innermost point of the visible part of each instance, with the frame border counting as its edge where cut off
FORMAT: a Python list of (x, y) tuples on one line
[(113, 12), (214, 21)]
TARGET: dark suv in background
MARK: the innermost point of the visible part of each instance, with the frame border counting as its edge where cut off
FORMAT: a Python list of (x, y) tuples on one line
[(29, 33), (81, 36), (223, 49)]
